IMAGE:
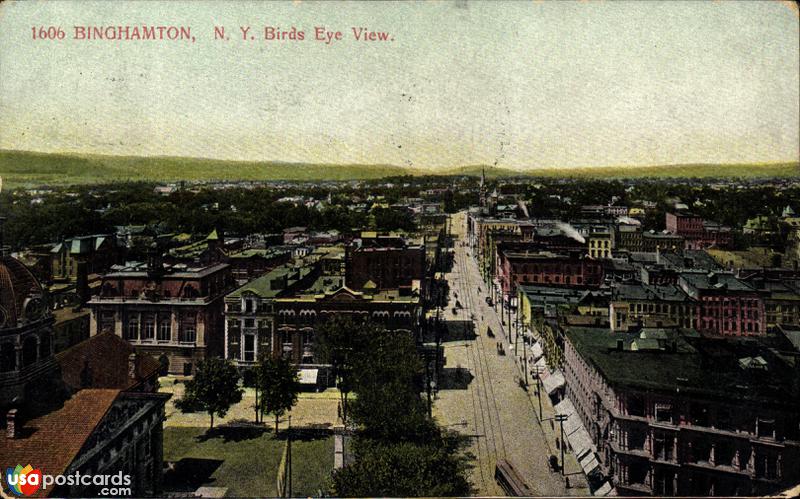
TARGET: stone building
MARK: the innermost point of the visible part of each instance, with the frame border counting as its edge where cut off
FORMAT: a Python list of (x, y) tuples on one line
[(92, 409), (638, 304), (673, 413), (249, 311), (26, 333), (172, 313)]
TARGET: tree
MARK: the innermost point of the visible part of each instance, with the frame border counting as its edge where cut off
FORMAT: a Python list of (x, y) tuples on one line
[(399, 450), (214, 388), (387, 377), (437, 468), (278, 382), (338, 342)]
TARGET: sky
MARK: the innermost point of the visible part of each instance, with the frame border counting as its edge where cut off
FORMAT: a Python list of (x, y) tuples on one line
[(518, 85)]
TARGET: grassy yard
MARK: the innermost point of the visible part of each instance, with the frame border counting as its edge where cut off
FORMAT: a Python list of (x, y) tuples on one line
[(244, 460)]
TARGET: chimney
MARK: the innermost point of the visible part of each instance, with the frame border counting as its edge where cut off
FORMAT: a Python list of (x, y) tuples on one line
[(132, 366), (11, 424)]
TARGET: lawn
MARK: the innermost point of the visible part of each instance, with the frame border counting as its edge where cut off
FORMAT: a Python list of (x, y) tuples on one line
[(245, 460)]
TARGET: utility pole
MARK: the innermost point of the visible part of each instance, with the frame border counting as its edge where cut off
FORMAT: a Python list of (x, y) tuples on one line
[(525, 357), (537, 370), (289, 456), (561, 418)]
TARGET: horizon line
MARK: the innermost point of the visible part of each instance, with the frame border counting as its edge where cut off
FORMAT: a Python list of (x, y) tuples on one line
[(423, 170)]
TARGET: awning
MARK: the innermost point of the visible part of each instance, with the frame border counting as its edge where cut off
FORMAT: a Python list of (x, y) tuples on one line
[(553, 382), (589, 462), (536, 351), (604, 490), (308, 376), (579, 439)]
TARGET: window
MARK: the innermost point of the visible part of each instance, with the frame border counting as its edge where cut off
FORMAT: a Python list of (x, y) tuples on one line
[(701, 451), (699, 415), (766, 466), (44, 346), (133, 328), (636, 405), (249, 305), (249, 347), (188, 333), (662, 446), (149, 328), (636, 438), (249, 323), (165, 331), (723, 453), (8, 357), (663, 413), (637, 472), (766, 428)]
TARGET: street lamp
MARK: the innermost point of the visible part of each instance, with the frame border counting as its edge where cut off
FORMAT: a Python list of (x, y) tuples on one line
[(561, 418)]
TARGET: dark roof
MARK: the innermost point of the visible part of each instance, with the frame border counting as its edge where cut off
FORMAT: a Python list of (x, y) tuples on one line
[(714, 281), (640, 291), (51, 442), (699, 366), (107, 356)]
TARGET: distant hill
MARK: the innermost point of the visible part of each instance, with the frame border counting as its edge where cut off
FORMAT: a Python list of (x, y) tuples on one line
[(23, 168)]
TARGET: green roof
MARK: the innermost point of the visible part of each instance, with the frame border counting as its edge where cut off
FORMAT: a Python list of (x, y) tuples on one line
[(263, 286)]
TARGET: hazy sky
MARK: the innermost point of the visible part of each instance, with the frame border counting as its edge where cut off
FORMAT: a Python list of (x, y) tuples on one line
[(519, 84)]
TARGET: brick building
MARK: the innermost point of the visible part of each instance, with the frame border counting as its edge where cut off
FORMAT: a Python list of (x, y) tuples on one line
[(677, 414), (698, 233), (173, 313), (544, 267), (726, 306), (298, 316), (389, 262)]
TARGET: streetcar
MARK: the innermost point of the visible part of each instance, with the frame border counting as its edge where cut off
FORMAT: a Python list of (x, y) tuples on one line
[(510, 481)]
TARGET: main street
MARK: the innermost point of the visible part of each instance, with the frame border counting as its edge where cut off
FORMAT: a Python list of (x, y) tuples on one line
[(492, 408)]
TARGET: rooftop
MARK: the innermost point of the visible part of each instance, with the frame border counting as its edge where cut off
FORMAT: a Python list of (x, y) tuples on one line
[(53, 440), (101, 362), (640, 291), (685, 362), (273, 282)]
